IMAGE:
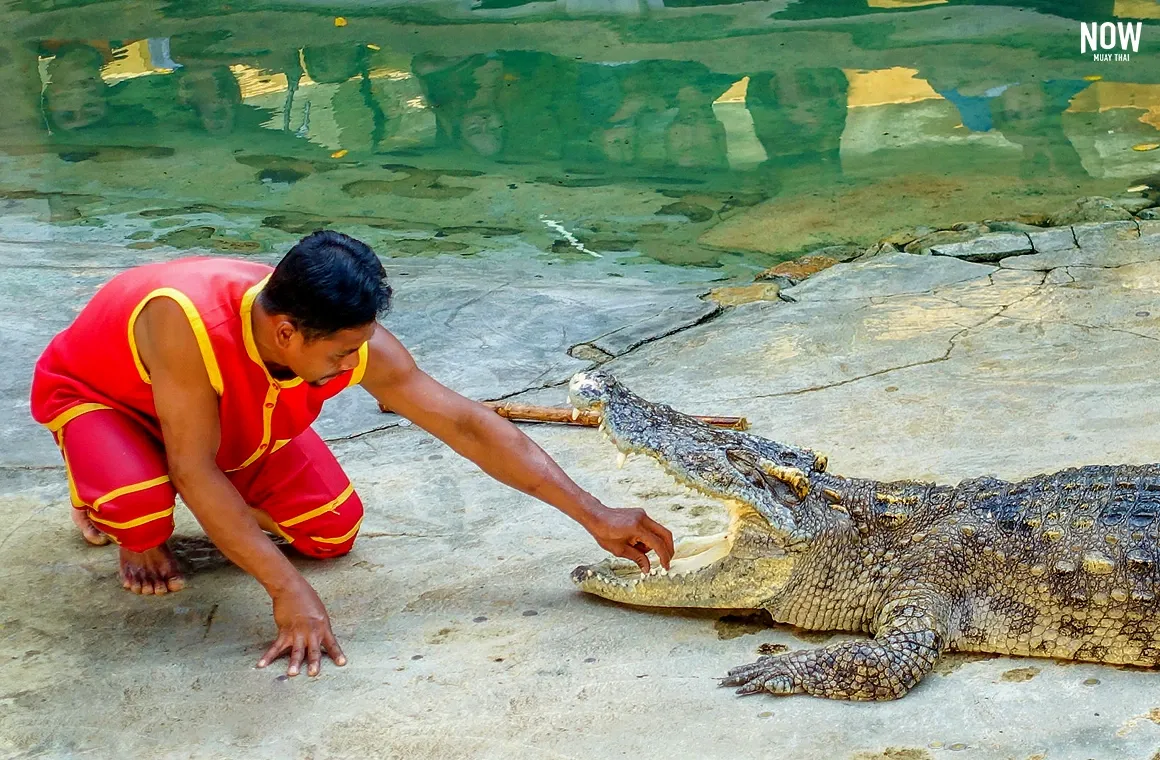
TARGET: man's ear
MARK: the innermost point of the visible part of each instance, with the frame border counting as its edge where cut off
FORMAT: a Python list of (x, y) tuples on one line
[(284, 332)]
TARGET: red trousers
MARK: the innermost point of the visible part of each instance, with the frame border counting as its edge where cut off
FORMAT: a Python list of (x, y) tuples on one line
[(117, 472)]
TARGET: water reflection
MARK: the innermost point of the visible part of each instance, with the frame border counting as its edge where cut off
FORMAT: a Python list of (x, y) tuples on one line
[(134, 89), (421, 129)]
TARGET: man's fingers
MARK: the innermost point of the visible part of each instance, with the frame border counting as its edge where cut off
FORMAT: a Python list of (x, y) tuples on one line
[(658, 538), (637, 556), (657, 543), (313, 656), (275, 651), (333, 649), (296, 656), (664, 534)]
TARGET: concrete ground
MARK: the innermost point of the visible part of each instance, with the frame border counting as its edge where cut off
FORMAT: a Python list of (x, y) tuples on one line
[(464, 634)]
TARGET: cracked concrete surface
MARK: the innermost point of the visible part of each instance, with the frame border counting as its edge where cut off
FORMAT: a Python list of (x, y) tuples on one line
[(464, 635)]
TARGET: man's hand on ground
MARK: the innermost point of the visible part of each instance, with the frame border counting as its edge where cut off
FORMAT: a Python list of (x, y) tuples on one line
[(303, 631), (630, 533)]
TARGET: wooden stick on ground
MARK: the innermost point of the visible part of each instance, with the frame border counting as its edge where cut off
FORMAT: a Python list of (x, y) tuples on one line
[(563, 415)]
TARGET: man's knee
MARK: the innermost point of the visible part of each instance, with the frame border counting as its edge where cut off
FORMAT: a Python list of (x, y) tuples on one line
[(138, 520), (330, 535)]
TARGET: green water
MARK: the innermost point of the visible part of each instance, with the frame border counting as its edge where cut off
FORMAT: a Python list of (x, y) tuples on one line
[(725, 134)]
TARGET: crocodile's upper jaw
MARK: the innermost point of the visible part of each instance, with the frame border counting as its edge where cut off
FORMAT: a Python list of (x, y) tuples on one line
[(740, 568)]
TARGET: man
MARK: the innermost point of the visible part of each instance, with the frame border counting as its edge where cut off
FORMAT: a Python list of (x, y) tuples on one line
[(200, 377)]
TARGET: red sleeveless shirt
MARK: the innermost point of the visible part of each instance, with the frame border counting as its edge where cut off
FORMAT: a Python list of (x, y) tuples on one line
[(94, 363)]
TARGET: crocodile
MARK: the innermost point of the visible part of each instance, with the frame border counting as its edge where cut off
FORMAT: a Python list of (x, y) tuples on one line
[(1060, 565)]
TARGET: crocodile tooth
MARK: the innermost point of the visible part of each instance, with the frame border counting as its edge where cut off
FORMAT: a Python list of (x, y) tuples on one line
[(589, 574), (575, 414), (652, 571), (664, 572), (621, 458)]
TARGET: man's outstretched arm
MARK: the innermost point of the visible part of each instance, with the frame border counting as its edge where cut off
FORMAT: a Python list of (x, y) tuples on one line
[(187, 407), (502, 450)]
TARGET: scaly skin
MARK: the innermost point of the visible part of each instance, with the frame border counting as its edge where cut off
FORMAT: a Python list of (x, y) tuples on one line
[(1061, 565)]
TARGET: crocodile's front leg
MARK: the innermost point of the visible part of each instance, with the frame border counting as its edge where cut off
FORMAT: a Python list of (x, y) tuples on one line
[(911, 633)]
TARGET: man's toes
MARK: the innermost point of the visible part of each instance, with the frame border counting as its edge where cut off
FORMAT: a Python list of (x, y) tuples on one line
[(160, 587), (176, 583), (134, 583), (90, 532)]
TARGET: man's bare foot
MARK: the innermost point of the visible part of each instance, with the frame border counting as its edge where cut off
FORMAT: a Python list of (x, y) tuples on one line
[(150, 572), (92, 535)]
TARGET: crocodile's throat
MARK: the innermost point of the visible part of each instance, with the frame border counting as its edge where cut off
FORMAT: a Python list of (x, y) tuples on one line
[(734, 569)]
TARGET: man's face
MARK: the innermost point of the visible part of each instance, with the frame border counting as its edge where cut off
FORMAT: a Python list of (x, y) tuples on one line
[(320, 360), (482, 131)]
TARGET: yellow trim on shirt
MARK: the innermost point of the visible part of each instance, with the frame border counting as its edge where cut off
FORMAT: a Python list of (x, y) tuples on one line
[(356, 376), (199, 331), (268, 405), (329, 506), (70, 414), (248, 334)]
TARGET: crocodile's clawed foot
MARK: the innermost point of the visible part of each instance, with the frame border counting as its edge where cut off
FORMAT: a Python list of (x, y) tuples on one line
[(772, 674)]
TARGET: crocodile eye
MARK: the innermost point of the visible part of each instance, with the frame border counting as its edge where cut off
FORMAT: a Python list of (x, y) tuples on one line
[(745, 465), (782, 490)]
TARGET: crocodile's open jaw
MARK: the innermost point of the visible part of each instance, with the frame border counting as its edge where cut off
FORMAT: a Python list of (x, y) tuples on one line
[(705, 572), (713, 571)]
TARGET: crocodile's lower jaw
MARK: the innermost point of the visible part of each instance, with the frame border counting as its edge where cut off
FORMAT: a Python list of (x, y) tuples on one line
[(614, 578), (691, 580)]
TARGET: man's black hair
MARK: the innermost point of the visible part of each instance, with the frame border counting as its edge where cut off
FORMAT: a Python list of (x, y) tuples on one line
[(328, 282)]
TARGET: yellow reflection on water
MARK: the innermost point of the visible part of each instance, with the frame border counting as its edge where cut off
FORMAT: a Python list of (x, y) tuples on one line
[(736, 92), (742, 148), (1137, 9), (254, 82), (881, 87), (902, 3), (1104, 96), (131, 61)]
